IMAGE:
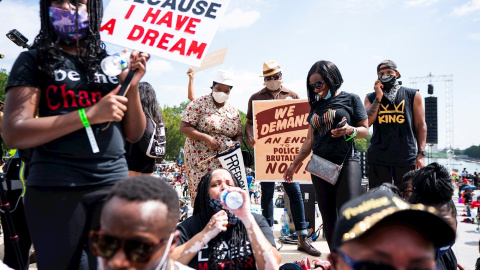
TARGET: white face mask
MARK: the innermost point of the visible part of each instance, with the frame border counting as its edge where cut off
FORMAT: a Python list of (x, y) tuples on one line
[(220, 97), (273, 85)]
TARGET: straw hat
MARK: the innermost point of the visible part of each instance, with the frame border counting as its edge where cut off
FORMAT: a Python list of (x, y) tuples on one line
[(269, 68)]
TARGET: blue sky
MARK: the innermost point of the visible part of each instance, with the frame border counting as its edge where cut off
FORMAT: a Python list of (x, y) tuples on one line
[(421, 36)]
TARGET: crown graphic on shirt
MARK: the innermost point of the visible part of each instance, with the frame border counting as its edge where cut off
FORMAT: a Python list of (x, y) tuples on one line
[(400, 108)]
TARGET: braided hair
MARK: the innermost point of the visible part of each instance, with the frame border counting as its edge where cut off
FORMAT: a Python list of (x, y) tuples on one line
[(238, 238), (331, 75), (432, 186), (50, 56)]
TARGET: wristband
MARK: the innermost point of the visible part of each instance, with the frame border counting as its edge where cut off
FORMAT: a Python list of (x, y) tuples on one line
[(83, 117), (355, 131), (88, 129)]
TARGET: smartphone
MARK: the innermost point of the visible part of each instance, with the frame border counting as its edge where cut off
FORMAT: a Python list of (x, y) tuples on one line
[(342, 123)]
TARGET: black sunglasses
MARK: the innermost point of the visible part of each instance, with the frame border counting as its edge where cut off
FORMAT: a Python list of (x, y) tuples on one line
[(137, 251), (317, 84), (275, 77), (368, 265)]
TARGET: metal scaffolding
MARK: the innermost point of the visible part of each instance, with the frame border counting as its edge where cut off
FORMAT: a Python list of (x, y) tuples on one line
[(448, 80)]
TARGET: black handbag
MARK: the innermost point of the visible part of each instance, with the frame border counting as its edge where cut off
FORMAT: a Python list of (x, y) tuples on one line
[(247, 157)]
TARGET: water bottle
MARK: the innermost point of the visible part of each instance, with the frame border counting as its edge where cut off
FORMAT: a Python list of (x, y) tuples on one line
[(285, 223), (233, 200), (114, 64)]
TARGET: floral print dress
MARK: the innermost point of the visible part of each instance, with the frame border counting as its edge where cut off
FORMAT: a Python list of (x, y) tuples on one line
[(221, 124)]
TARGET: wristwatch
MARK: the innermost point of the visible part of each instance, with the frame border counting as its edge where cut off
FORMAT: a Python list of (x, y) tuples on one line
[(422, 153)]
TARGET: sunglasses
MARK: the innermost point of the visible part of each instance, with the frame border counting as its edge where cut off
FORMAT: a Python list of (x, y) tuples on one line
[(275, 77), (368, 265), (317, 84), (136, 251)]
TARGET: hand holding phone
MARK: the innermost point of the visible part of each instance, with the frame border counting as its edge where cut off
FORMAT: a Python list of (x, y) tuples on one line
[(341, 123)]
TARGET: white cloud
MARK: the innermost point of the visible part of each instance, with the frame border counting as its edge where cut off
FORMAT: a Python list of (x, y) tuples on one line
[(466, 8), (421, 3), (239, 19), (474, 36)]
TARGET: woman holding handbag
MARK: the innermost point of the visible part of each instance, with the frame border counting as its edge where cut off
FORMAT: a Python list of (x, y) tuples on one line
[(331, 140)]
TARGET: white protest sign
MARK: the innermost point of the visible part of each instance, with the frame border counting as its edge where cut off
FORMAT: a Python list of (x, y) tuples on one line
[(233, 161), (179, 30)]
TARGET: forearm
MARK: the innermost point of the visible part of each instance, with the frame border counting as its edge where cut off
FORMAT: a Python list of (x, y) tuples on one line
[(304, 152), (249, 128), (362, 132), (421, 135), (191, 93), (266, 255), (372, 111), (134, 120), (31, 132), (194, 134)]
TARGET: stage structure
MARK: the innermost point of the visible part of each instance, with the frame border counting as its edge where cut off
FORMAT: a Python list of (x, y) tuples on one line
[(448, 80)]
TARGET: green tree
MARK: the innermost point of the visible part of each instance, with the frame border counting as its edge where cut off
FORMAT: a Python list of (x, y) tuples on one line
[(175, 139), (473, 151), (363, 144)]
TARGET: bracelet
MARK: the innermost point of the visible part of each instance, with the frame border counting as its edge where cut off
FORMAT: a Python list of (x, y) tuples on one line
[(355, 131), (83, 117)]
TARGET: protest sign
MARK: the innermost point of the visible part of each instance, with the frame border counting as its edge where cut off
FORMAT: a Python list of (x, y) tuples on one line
[(212, 59), (232, 160), (280, 128), (177, 30)]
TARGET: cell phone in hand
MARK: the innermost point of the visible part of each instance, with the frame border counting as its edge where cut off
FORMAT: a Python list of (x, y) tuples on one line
[(342, 123)]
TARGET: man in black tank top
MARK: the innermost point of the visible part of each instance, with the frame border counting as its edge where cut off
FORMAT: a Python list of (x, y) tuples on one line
[(399, 128)]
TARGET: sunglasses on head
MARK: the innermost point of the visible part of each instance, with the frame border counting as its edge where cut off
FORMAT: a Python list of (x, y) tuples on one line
[(137, 251), (317, 84), (274, 77), (369, 265)]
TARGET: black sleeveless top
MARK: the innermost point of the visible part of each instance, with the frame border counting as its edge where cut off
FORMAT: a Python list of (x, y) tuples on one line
[(393, 141)]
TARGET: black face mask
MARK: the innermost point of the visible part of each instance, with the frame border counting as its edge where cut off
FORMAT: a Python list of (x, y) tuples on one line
[(388, 82)]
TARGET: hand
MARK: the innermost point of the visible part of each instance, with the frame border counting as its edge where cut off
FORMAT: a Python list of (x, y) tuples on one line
[(244, 210), (190, 73), (345, 130), (110, 108), (378, 89), (213, 143), (251, 141), (420, 162), (217, 224), (288, 174), (138, 62)]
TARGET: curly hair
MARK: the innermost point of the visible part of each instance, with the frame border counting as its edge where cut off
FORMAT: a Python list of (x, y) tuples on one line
[(50, 56), (331, 75), (239, 234)]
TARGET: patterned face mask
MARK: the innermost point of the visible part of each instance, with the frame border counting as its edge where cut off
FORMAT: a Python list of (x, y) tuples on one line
[(273, 85), (216, 207), (63, 24)]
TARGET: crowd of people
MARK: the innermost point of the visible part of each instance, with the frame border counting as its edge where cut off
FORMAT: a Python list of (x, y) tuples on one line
[(91, 200)]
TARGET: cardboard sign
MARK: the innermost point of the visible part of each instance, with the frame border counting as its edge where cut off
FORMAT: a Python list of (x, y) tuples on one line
[(177, 30), (212, 59), (233, 161), (280, 128)]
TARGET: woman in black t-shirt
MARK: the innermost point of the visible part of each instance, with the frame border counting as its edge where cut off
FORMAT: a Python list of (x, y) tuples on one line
[(54, 92), (217, 237), (329, 106)]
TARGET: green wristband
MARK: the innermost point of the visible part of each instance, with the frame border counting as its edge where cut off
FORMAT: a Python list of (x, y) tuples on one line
[(83, 117), (353, 135)]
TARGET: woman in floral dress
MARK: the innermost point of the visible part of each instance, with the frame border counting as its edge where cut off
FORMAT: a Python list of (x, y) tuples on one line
[(209, 122)]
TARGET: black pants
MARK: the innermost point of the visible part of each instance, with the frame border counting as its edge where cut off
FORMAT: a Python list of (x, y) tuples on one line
[(331, 197), (21, 229), (379, 174), (60, 219)]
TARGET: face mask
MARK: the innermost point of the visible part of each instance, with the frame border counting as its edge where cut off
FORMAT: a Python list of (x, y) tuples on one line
[(219, 97), (63, 24), (329, 95), (216, 207), (273, 85), (162, 264), (388, 82)]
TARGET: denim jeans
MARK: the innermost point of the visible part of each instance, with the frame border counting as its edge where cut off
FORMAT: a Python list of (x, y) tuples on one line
[(296, 204)]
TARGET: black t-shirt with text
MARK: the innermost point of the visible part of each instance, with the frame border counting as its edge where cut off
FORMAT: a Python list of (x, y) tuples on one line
[(193, 225), (393, 141), (325, 116), (69, 160)]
